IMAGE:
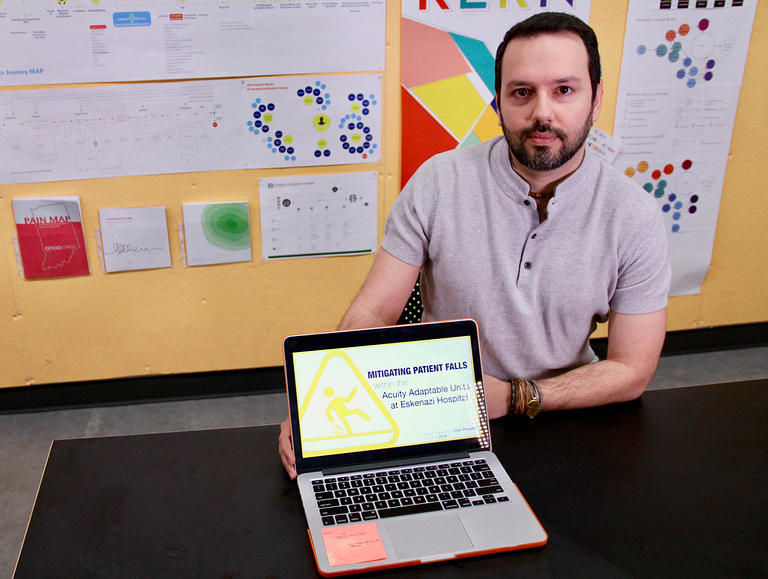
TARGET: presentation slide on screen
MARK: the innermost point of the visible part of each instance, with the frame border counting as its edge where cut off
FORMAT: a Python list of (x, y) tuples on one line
[(354, 399)]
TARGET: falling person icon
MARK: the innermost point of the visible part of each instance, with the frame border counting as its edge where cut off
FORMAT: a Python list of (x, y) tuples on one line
[(339, 406)]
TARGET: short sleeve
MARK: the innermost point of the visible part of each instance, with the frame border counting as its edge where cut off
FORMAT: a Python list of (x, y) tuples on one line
[(644, 279), (407, 230)]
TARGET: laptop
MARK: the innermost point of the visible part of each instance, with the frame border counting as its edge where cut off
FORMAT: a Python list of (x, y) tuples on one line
[(393, 449)]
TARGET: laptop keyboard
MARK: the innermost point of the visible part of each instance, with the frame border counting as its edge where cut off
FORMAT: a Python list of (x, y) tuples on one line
[(406, 491)]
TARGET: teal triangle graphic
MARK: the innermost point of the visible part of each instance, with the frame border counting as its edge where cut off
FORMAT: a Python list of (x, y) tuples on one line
[(480, 59)]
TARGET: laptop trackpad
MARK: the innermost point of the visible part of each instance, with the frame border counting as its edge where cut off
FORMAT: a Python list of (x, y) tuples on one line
[(427, 536)]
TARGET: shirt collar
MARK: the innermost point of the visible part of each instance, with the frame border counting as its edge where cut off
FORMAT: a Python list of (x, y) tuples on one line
[(517, 189)]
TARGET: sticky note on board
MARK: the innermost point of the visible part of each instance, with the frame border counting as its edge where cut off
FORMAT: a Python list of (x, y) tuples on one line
[(353, 544)]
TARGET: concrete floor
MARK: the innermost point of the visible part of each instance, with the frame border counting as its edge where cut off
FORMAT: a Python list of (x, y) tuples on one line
[(25, 438)]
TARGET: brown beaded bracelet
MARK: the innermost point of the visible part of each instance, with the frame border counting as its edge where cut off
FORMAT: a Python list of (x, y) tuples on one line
[(526, 397)]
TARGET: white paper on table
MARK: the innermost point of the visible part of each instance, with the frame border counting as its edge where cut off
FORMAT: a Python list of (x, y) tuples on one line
[(319, 215), (134, 238)]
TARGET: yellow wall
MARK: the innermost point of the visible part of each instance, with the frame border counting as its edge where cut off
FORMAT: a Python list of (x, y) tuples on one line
[(235, 316)]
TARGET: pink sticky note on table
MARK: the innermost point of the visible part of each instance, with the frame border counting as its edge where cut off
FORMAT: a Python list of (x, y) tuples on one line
[(353, 544)]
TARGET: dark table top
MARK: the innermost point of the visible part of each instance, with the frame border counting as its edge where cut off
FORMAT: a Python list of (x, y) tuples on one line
[(672, 485)]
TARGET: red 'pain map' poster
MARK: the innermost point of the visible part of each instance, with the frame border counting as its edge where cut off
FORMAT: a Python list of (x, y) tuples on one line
[(51, 238)]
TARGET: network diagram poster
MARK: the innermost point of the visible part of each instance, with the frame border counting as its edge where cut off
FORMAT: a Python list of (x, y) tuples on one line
[(307, 121), (134, 238), (213, 125), (217, 233), (681, 74), (319, 215), (50, 236), (448, 101), (77, 41)]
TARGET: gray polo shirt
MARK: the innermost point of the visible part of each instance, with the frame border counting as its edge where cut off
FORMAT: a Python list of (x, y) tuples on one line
[(536, 290)]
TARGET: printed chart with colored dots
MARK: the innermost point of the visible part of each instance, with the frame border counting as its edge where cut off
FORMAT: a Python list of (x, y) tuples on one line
[(688, 194), (694, 62), (214, 125), (311, 121), (681, 74), (319, 215), (690, 47), (679, 188)]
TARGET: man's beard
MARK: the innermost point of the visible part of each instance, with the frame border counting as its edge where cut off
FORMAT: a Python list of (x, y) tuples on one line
[(542, 158)]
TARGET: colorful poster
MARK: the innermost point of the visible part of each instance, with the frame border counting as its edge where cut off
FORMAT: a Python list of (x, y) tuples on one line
[(50, 236), (681, 74), (134, 238), (318, 215), (448, 71), (214, 125), (217, 232), (89, 41)]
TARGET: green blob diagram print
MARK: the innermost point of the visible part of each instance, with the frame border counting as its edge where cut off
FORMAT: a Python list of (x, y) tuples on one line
[(226, 226)]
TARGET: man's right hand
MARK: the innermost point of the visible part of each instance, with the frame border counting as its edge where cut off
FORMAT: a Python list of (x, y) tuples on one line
[(285, 447)]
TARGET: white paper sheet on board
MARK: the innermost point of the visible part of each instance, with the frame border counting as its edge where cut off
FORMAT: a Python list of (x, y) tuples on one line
[(681, 74), (134, 238), (158, 128), (217, 232), (77, 41), (318, 215)]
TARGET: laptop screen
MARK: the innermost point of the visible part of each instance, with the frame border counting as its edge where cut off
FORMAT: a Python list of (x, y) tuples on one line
[(385, 393)]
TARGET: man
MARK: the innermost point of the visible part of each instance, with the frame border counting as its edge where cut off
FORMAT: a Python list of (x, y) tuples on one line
[(534, 237)]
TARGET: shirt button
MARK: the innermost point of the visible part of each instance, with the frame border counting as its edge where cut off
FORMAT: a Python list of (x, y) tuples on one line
[(527, 265), (527, 202), (534, 236)]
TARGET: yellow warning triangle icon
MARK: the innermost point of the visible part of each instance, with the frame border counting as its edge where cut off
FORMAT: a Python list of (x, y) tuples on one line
[(342, 412)]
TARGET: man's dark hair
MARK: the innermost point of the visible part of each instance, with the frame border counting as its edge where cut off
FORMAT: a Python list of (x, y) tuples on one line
[(553, 23)]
